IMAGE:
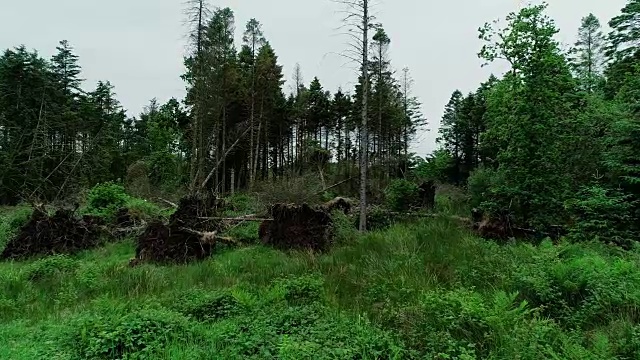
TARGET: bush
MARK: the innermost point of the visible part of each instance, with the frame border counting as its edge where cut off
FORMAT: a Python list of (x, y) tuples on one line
[(601, 214), (11, 223), (580, 289), (241, 204), (401, 195), (246, 233), (106, 199), (479, 185), (143, 209), (462, 324), (291, 190), (342, 227), (304, 332), (208, 306), (379, 218), (136, 334), (50, 266), (306, 289)]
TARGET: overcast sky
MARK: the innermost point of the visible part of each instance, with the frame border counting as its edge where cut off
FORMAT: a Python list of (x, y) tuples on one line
[(138, 45)]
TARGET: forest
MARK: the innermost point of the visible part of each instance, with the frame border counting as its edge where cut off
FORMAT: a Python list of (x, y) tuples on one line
[(249, 220)]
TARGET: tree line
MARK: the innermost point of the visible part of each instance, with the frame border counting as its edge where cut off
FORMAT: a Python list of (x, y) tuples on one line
[(555, 140), (236, 126)]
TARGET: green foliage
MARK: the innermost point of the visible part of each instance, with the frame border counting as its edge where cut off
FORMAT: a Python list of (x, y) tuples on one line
[(343, 229), (480, 184), (378, 218), (401, 195), (134, 335), (106, 199), (578, 288), (202, 305), (241, 204), (144, 210), (11, 222), (302, 290), (246, 233), (50, 266), (438, 167), (305, 332), (601, 214)]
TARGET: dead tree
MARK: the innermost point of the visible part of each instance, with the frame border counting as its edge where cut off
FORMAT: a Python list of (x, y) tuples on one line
[(197, 13), (358, 21)]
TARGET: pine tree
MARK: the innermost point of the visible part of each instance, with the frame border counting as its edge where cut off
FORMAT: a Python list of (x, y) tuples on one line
[(253, 39), (588, 53), (625, 35)]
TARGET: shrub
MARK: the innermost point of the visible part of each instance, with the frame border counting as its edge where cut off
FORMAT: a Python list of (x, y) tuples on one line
[(241, 204), (136, 334), (580, 289), (291, 190), (401, 195), (601, 214), (302, 290), (11, 223), (462, 324), (49, 266), (19, 218), (479, 185), (143, 209), (378, 218), (106, 199), (208, 306), (246, 233), (304, 332), (343, 229)]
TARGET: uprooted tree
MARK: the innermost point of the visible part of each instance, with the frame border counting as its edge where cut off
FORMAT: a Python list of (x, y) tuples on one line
[(60, 233)]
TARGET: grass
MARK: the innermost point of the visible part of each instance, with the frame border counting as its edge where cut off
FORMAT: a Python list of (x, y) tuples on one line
[(427, 289)]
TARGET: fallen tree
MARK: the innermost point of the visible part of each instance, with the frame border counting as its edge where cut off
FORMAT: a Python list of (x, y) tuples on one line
[(62, 233), (297, 227), (190, 235)]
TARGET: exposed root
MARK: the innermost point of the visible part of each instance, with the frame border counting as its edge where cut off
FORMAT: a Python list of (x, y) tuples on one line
[(297, 227)]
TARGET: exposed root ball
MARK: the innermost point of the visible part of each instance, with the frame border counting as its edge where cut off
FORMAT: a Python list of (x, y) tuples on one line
[(427, 191), (180, 241), (62, 233), (297, 227)]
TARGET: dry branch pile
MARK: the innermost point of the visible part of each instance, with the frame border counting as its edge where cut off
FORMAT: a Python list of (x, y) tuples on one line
[(62, 233), (190, 235), (297, 227)]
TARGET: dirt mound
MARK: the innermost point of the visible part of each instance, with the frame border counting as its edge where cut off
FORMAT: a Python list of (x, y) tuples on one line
[(62, 233), (189, 236), (297, 227)]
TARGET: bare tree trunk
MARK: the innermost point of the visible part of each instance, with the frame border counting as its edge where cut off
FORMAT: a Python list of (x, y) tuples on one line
[(364, 136), (233, 181)]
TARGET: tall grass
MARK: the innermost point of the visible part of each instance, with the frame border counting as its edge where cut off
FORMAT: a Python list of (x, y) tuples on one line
[(427, 289)]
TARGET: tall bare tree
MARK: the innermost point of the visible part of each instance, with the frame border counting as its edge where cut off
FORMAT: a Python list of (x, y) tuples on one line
[(197, 13), (358, 22)]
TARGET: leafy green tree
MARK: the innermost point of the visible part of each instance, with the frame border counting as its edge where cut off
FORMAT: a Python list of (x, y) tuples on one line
[(527, 118)]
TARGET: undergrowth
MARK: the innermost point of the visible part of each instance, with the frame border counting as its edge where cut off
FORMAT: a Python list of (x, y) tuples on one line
[(424, 290)]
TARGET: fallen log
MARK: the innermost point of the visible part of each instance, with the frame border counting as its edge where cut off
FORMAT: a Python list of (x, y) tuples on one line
[(241, 218), (210, 237)]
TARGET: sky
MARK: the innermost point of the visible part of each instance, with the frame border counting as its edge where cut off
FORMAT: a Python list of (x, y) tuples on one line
[(138, 45)]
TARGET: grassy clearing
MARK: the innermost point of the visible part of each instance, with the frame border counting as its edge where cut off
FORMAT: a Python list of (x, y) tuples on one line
[(421, 290)]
